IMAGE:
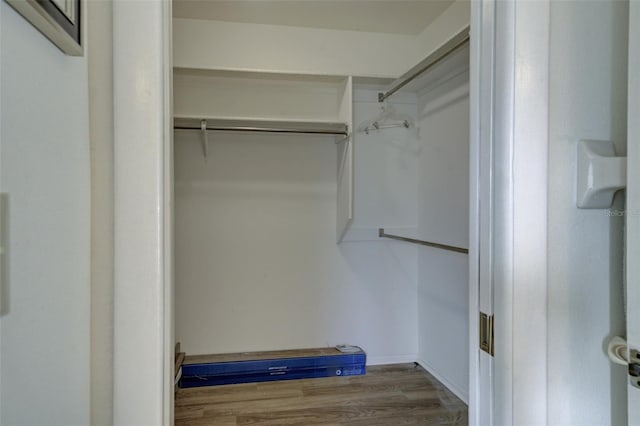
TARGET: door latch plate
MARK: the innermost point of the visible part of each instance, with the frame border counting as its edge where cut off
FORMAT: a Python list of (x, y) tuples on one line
[(486, 333)]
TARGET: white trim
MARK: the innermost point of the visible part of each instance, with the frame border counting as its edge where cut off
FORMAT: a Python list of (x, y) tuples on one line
[(167, 203), (482, 194), (530, 193), (391, 359), (502, 204), (474, 393), (460, 393), (141, 126), (508, 223), (519, 219), (633, 203)]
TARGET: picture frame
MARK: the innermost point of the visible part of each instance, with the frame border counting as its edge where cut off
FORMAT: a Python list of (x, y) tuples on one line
[(58, 20)]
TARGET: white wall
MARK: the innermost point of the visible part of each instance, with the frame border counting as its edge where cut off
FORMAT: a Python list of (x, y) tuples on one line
[(587, 100), (44, 151), (272, 48), (443, 194), (257, 266), (385, 168), (281, 49), (453, 19)]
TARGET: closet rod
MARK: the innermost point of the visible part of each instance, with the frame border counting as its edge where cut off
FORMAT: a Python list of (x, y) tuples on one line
[(448, 47), (333, 129), (382, 234)]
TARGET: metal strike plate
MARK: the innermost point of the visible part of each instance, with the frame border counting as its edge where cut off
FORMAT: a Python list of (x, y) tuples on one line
[(486, 333)]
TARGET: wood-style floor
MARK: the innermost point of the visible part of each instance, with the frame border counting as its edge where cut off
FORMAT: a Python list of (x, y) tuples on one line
[(401, 394)]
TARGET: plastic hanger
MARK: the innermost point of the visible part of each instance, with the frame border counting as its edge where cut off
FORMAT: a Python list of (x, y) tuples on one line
[(386, 119)]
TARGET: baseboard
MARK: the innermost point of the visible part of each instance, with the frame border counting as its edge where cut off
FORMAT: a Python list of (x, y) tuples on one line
[(463, 395), (390, 359)]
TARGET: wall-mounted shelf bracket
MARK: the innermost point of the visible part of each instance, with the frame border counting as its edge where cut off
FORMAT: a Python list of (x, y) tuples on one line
[(343, 138), (205, 138), (600, 174)]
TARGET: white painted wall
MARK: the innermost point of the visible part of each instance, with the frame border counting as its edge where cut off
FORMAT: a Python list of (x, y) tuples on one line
[(385, 168), (417, 185), (257, 265), (295, 50), (202, 44), (44, 169), (443, 180), (453, 19), (587, 100), (443, 206)]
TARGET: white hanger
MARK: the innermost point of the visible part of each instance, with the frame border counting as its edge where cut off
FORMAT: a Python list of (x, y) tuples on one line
[(386, 119)]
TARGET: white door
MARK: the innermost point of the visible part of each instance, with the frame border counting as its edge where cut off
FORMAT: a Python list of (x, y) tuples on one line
[(633, 216)]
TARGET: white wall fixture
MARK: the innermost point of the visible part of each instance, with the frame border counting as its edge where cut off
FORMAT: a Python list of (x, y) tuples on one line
[(600, 174)]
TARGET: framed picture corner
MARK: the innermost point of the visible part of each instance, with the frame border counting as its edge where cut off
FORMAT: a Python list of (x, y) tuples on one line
[(58, 20)]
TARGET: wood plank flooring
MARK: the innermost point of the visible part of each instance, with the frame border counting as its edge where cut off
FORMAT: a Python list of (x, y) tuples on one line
[(400, 394)]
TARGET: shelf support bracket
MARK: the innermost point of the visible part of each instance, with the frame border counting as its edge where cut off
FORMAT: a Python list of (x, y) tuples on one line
[(343, 138), (205, 138)]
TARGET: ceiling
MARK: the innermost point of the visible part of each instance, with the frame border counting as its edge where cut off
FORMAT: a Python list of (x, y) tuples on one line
[(384, 16)]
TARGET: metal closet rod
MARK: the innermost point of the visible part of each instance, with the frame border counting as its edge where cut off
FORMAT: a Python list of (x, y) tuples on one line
[(438, 55), (334, 129), (382, 234)]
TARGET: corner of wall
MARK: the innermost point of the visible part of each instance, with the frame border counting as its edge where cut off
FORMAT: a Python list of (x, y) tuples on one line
[(453, 19), (463, 394)]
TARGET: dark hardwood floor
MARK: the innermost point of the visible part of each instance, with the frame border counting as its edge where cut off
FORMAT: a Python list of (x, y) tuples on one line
[(401, 394)]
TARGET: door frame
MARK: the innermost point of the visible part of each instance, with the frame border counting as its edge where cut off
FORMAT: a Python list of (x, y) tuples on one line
[(515, 151), (509, 121), (143, 247), (633, 204)]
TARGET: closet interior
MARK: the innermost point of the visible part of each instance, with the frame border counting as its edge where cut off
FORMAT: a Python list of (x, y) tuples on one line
[(321, 181)]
